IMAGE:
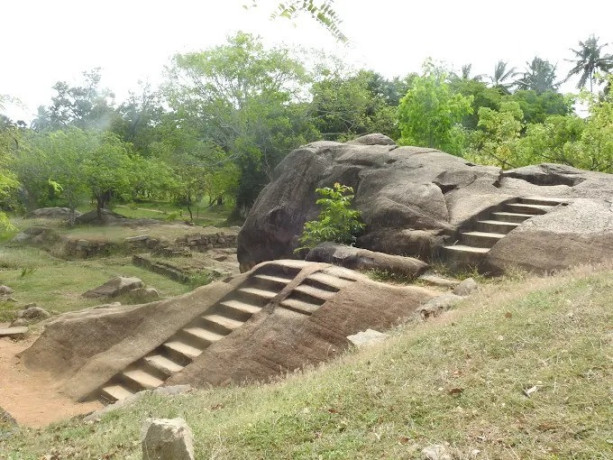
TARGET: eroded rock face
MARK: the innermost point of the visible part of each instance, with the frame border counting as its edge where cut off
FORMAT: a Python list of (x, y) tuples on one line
[(414, 201), (363, 259)]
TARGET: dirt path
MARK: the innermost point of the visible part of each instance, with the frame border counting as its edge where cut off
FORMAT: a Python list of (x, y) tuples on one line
[(30, 397)]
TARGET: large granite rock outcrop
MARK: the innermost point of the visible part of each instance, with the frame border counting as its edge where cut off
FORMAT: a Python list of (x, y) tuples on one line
[(416, 200)]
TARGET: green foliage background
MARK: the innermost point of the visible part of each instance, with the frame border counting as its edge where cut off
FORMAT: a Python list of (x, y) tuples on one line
[(226, 116)]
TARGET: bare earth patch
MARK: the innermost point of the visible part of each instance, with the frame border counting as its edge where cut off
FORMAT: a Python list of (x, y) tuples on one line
[(30, 396)]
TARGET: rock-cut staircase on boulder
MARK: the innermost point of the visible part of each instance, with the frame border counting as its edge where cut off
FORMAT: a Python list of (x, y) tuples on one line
[(230, 313), (227, 315), (315, 290), (474, 243)]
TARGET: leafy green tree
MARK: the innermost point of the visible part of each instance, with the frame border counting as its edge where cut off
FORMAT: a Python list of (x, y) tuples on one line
[(556, 140), (596, 144), (499, 131), (9, 141), (539, 76), (151, 179), (138, 119), (246, 100), (430, 113), (86, 106), (588, 61), (49, 166), (107, 170), (481, 96), (537, 107), (65, 166), (337, 222), (344, 107)]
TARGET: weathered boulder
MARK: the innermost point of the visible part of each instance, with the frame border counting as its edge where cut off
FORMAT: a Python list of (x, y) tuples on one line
[(5, 290), (363, 259), (53, 213), (167, 439), (32, 313), (145, 294), (580, 233), (415, 201), (304, 317), (115, 287), (86, 348), (37, 236)]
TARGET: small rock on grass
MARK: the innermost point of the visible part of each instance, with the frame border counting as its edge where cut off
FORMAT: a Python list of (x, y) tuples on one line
[(436, 452), (466, 287), (33, 313), (435, 280), (367, 338), (167, 439), (438, 305)]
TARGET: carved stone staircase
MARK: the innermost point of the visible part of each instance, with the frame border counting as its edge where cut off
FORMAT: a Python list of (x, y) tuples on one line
[(490, 227), (220, 320)]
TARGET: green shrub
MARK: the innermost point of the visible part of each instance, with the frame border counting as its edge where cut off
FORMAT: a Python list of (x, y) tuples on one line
[(337, 222)]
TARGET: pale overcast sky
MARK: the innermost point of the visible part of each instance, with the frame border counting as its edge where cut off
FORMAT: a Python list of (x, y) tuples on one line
[(44, 41)]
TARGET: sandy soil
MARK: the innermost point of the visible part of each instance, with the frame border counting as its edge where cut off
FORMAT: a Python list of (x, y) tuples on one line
[(31, 397)]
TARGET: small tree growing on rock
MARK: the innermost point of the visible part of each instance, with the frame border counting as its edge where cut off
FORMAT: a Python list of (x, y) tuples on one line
[(337, 222)]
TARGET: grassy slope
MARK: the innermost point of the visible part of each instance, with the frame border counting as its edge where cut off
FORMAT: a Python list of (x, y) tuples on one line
[(458, 379)]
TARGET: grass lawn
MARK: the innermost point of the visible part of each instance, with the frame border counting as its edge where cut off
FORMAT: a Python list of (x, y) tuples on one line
[(57, 285), (522, 369)]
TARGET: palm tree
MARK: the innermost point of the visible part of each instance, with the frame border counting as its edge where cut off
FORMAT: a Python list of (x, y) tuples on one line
[(501, 75), (588, 60), (466, 74), (539, 76)]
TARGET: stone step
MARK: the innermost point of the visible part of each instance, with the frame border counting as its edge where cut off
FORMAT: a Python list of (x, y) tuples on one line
[(221, 324), (270, 280), (201, 338), (163, 364), (299, 306), (112, 393), (311, 294), (238, 310), (511, 217), (495, 226), (523, 208), (181, 351), (543, 200), (461, 255), (342, 273), (287, 268), (255, 296), (289, 263), (327, 282), (143, 379), (15, 331), (481, 239)]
